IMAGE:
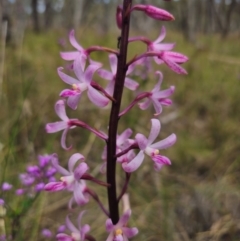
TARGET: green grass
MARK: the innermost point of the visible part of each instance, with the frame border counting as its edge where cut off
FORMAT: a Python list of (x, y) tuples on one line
[(183, 201)]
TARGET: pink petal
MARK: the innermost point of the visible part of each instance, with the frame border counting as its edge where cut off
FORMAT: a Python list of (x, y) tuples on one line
[(56, 126), (79, 219), (73, 41), (175, 57), (157, 106), (130, 232), (163, 47), (113, 63), (70, 225), (110, 87), (161, 160), (80, 170), (59, 169), (66, 78), (78, 195), (109, 225), (77, 68), (69, 55), (175, 67), (134, 164), (124, 136), (158, 166), (124, 219), (63, 140), (54, 186), (63, 237), (97, 98), (130, 84), (68, 92), (85, 229), (73, 160), (105, 74), (165, 143), (161, 36), (110, 237), (164, 93), (155, 129), (89, 72), (60, 110), (73, 101), (142, 141), (145, 104), (157, 86)]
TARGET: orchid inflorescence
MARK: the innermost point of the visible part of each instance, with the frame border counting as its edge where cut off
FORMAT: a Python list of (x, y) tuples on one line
[(119, 148)]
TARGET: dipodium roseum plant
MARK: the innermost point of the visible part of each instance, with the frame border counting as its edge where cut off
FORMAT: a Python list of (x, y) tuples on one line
[(121, 149)]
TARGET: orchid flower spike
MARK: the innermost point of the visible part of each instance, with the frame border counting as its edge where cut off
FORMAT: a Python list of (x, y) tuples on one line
[(71, 178), (79, 85), (111, 76), (158, 97), (64, 125), (77, 233), (152, 150), (119, 231)]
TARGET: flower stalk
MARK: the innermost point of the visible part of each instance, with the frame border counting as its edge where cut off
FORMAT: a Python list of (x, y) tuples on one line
[(114, 116)]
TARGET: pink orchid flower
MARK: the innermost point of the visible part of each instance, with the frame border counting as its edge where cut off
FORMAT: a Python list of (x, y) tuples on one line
[(71, 178), (80, 52), (173, 61), (158, 97), (147, 146), (60, 125), (119, 231), (111, 76), (77, 233), (79, 85)]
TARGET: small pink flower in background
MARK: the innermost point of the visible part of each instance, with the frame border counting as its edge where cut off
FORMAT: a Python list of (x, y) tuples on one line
[(71, 178), (105, 74), (6, 186), (77, 233), (46, 233), (79, 85), (120, 231), (158, 97), (2, 202), (60, 125), (152, 150)]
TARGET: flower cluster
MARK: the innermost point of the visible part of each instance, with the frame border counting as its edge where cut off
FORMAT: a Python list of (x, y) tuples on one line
[(122, 149)]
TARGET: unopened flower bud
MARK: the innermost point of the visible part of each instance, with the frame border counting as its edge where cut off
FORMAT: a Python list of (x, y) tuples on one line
[(154, 12)]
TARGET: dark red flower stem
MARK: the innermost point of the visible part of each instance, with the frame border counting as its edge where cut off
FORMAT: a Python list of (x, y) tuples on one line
[(113, 122)]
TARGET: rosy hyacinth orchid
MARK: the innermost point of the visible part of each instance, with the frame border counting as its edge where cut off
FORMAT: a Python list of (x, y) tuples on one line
[(77, 233), (172, 60), (60, 125), (111, 76), (80, 52), (158, 97), (71, 178), (147, 146), (119, 231), (82, 83), (155, 45)]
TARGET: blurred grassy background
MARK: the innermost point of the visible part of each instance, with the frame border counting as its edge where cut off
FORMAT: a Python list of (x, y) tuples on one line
[(197, 198)]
